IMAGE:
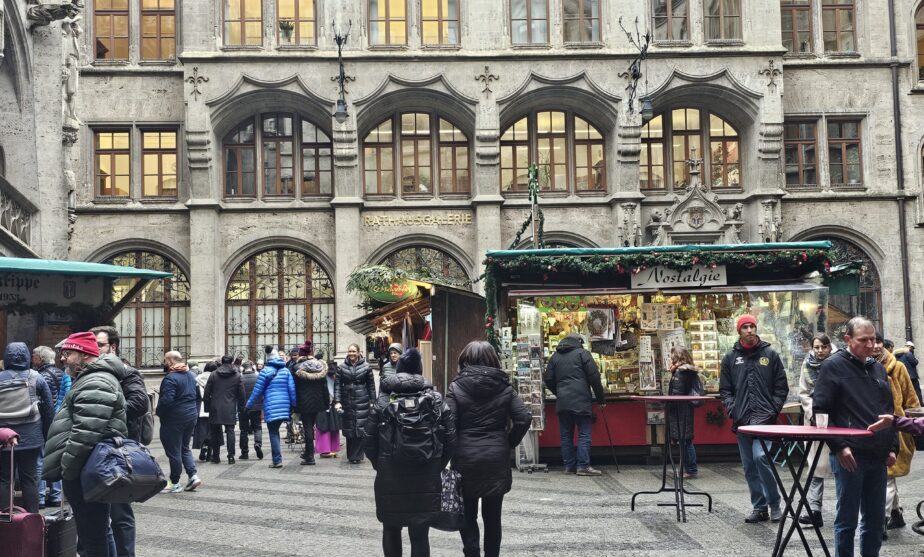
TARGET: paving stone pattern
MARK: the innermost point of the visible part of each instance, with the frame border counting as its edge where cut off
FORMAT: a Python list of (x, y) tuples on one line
[(328, 510)]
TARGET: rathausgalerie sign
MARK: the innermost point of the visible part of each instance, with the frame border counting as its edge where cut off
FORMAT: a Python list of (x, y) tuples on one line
[(662, 277)]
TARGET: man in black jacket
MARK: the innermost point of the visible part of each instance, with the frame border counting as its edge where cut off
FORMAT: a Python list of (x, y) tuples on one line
[(137, 404), (250, 420), (753, 387), (853, 390), (570, 375)]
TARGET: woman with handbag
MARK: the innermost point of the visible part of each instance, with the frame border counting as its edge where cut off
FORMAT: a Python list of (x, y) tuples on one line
[(354, 391), (490, 420), (685, 381)]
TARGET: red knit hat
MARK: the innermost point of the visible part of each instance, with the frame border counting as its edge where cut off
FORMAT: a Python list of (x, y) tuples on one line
[(82, 342), (744, 320), (306, 348)]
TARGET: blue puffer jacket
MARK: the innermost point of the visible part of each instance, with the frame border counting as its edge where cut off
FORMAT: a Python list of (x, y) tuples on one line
[(277, 389)]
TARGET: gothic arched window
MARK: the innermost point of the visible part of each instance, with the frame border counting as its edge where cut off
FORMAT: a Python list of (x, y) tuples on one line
[(426, 262), (671, 139), (157, 319), (866, 301), (278, 297)]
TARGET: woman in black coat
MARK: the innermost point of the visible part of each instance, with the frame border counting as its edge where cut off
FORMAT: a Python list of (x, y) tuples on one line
[(224, 401), (684, 376), (407, 494), (490, 420), (354, 391)]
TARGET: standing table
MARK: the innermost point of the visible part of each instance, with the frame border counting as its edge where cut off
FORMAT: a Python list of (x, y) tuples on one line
[(677, 402), (787, 435)]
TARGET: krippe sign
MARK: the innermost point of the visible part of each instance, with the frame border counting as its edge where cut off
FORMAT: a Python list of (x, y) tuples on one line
[(697, 276)]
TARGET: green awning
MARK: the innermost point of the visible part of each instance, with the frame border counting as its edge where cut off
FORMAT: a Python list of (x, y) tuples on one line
[(77, 268), (743, 248)]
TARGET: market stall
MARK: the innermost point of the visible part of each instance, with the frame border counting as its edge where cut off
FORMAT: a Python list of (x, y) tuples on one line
[(633, 304), (438, 320), (44, 300)]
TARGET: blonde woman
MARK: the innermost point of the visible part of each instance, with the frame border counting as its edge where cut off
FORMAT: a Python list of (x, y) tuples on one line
[(684, 381)]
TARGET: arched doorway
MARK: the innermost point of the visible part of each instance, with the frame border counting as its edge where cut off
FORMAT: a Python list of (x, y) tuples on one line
[(864, 300), (157, 319), (279, 297)]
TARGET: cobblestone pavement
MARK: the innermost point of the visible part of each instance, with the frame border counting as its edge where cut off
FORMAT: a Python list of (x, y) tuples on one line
[(327, 510)]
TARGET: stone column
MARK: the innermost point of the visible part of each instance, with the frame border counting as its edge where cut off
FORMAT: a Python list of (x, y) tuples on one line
[(347, 204), (486, 200)]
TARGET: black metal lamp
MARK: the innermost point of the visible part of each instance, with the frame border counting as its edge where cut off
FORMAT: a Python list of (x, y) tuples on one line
[(341, 115), (647, 110)]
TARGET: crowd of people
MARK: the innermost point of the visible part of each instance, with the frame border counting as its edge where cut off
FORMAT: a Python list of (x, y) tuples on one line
[(410, 432)]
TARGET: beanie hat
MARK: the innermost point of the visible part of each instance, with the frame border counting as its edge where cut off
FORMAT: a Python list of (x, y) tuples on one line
[(410, 362), (396, 347), (82, 342), (744, 320), (307, 348), (271, 352)]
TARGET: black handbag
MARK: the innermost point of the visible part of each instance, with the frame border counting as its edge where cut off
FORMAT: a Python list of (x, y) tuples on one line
[(329, 421), (452, 509)]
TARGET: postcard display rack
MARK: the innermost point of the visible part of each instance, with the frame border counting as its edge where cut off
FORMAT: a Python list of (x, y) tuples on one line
[(528, 363)]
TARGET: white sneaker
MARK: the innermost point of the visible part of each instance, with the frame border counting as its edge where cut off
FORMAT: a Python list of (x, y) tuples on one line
[(193, 483), (172, 488)]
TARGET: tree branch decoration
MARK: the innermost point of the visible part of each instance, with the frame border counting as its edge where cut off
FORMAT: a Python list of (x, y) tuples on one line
[(533, 188)]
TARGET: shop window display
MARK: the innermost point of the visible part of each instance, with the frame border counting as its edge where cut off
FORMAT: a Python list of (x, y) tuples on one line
[(630, 335)]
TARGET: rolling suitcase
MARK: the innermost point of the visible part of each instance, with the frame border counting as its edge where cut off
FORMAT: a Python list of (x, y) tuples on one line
[(23, 533), (60, 533)]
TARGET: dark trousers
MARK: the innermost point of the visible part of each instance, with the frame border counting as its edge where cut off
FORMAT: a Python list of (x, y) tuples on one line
[(25, 462), (354, 448), (250, 423), (215, 443), (308, 421), (92, 520), (123, 529), (175, 437), (420, 541), (491, 515)]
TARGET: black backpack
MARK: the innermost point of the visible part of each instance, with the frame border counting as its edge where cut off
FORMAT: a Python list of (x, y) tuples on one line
[(411, 427)]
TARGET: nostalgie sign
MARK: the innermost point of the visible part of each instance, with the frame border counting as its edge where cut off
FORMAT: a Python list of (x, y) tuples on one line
[(696, 276)]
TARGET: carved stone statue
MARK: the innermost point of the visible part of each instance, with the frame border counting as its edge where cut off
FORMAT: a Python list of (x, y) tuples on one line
[(735, 212), (70, 72), (43, 14)]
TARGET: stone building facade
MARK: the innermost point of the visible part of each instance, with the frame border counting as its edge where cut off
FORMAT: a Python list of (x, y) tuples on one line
[(198, 136)]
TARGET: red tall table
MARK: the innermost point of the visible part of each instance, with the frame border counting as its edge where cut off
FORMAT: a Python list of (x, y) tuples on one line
[(677, 402), (787, 435)]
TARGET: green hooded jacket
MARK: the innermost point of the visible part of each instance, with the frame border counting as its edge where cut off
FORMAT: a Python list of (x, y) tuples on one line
[(93, 410)]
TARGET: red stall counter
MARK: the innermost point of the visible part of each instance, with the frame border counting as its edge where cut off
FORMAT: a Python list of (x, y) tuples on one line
[(628, 424)]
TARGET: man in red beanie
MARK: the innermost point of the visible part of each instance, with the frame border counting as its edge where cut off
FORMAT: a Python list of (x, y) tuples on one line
[(753, 387), (93, 410)]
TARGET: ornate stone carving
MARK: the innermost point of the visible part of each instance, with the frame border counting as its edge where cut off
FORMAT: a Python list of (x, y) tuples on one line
[(771, 140), (198, 153), (630, 230), (486, 78), (770, 227), (696, 217), (70, 77), (772, 73), (43, 14), (15, 218), (196, 80), (346, 79)]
